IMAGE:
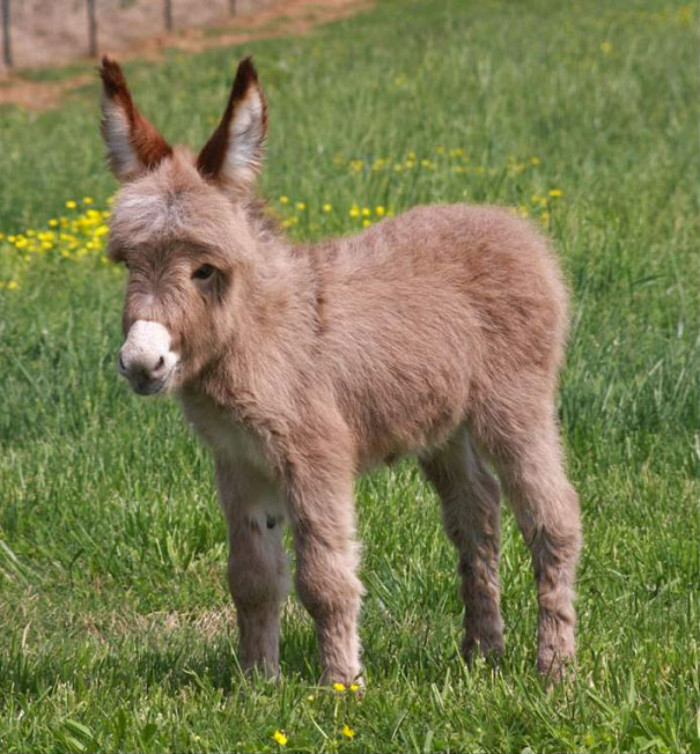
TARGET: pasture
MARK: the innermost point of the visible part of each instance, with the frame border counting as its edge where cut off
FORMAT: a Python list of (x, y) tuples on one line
[(116, 628)]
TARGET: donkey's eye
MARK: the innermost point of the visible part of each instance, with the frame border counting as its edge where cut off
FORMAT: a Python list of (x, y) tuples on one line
[(204, 272)]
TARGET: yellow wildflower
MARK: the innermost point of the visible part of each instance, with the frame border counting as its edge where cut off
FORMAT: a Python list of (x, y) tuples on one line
[(301, 206), (280, 737), (88, 200), (284, 199), (348, 732), (12, 285), (366, 222), (440, 150), (534, 160), (606, 47), (53, 222), (556, 193), (366, 212), (71, 204), (354, 211), (354, 687), (338, 687), (379, 210), (327, 207)]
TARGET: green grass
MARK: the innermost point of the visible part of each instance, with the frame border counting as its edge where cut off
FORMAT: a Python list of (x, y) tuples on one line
[(115, 627)]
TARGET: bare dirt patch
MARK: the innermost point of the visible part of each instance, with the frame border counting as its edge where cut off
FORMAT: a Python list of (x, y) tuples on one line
[(278, 19)]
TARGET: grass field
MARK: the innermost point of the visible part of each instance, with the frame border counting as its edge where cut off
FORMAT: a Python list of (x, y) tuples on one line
[(116, 631)]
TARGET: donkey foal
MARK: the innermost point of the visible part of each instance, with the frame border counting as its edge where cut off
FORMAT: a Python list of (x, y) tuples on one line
[(438, 333)]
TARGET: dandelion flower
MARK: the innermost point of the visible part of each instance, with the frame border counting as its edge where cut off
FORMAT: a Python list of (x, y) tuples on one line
[(366, 212), (71, 204), (534, 160), (348, 732), (301, 206), (606, 47), (366, 222), (12, 285), (556, 193), (354, 687), (88, 200), (380, 211), (280, 737), (354, 211), (284, 199), (338, 687), (327, 207)]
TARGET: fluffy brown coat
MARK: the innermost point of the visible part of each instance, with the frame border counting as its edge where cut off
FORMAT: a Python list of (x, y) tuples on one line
[(438, 333)]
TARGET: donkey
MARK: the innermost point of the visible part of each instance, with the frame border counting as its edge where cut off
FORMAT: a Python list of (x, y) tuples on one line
[(438, 333)]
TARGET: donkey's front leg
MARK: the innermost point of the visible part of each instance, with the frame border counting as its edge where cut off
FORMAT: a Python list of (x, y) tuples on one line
[(257, 568), (323, 521)]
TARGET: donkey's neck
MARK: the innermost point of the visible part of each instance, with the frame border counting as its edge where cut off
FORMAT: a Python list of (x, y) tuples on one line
[(273, 336)]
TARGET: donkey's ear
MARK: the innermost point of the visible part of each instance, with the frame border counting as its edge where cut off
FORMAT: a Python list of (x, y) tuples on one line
[(134, 146), (233, 155)]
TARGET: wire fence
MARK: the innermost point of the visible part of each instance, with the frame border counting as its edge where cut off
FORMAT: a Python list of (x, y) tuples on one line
[(40, 32)]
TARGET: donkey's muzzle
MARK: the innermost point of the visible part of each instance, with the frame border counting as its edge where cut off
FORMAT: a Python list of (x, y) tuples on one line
[(146, 359)]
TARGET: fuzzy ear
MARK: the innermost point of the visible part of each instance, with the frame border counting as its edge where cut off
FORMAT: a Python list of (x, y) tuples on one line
[(233, 155), (134, 146)]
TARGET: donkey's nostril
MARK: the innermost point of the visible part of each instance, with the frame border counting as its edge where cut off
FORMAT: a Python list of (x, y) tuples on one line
[(160, 364), (121, 364)]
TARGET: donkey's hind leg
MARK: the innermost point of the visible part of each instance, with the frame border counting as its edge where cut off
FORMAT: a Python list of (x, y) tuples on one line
[(471, 515), (528, 456)]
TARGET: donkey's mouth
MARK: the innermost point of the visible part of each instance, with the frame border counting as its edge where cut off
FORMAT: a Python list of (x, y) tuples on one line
[(154, 387)]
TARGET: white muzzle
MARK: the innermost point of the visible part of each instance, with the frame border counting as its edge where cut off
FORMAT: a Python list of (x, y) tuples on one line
[(146, 359)]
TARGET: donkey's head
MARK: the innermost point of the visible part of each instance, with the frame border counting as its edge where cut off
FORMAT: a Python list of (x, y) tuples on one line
[(182, 227)]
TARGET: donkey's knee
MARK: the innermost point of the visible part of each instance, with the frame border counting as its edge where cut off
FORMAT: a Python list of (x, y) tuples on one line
[(259, 582), (332, 593)]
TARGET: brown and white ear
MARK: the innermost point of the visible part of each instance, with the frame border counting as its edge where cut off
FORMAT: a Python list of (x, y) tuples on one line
[(233, 155), (134, 146)]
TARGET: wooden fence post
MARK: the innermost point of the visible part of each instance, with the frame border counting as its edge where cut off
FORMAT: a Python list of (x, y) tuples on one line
[(168, 12), (92, 28), (6, 37), (232, 7)]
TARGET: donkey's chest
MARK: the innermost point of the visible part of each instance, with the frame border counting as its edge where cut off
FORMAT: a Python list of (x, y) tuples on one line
[(227, 437)]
